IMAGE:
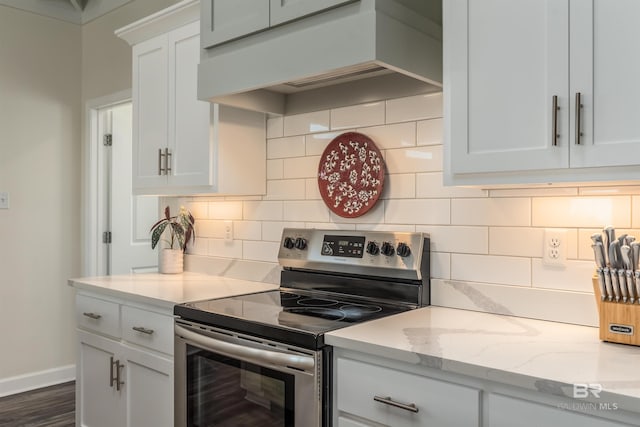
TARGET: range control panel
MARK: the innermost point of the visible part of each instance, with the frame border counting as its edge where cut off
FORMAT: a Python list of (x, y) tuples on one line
[(385, 253)]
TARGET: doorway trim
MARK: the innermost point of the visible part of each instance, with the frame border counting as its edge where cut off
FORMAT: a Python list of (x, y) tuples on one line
[(91, 181)]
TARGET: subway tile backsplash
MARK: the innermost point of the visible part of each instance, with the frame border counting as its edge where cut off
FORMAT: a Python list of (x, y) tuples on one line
[(486, 245)]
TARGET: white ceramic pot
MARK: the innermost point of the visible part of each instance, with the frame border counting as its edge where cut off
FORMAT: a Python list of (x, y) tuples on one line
[(171, 261)]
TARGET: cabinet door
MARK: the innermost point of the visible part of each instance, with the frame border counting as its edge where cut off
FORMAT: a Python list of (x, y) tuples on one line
[(99, 404), (149, 389), (604, 68), (508, 412), (188, 129), (504, 63), (224, 20), (288, 10), (149, 93)]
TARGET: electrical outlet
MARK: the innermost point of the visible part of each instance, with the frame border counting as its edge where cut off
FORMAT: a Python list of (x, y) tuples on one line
[(4, 200), (228, 231), (555, 247)]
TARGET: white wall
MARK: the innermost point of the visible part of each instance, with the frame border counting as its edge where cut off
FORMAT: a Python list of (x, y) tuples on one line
[(49, 69), (486, 244), (39, 167)]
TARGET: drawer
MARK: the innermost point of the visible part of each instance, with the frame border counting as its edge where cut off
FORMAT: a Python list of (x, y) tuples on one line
[(98, 315), (439, 403), (147, 329)]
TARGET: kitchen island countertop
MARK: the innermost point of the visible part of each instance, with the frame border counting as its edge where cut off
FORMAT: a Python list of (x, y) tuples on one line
[(542, 356), (167, 290)]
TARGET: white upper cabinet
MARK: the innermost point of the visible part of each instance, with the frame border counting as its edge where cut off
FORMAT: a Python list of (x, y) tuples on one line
[(188, 118), (507, 65), (182, 145), (512, 74), (150, 66), (604, 71)]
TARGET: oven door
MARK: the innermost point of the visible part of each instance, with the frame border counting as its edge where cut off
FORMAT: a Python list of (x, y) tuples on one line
[(228, 379)]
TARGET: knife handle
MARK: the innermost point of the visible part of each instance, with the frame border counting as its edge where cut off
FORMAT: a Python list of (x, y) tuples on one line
[(637, 277), (630, 285), (607, 282), (601, 283), (615, 284), (623, 285)]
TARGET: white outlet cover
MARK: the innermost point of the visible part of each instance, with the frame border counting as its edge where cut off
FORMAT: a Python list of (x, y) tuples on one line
[(228, 231), (554, 250)]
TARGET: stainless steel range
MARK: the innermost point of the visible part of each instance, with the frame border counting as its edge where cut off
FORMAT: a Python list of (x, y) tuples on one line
[(260, 359)]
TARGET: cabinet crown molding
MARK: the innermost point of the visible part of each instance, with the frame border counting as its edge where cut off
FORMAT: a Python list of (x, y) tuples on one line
[(172, 17)]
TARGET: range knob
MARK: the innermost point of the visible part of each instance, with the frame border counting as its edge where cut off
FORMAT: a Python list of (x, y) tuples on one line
[(387, 249), (301, 243), (403, 250), (288, 243), (373, 248)]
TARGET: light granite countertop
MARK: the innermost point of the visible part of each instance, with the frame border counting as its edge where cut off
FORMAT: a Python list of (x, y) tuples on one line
[(537, 355), (166, 290)]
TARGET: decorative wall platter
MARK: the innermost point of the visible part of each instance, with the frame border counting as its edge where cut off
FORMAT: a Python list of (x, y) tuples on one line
[(351, 174)]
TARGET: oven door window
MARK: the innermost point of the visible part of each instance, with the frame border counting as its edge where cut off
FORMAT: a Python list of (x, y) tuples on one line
[(223, 391)]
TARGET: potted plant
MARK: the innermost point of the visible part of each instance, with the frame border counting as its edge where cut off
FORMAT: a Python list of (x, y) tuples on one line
[(180, 232)]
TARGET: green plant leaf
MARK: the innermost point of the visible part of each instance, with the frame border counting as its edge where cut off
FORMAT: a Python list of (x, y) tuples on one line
[(178, 231), (158, 229), (157, 223)]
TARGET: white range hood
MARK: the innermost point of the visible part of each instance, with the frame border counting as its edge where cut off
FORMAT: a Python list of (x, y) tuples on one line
[(363, 51)]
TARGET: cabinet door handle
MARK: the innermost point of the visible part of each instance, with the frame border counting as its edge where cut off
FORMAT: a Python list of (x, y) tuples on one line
[(115, 367), (554, 120), (167, 161), (112, 379), (160, 156), (411, 407), (578, 117), (143, 330), (119, 368), (92, 316)]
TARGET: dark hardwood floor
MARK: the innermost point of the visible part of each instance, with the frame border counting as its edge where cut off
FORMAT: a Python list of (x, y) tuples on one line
[(50, 406)]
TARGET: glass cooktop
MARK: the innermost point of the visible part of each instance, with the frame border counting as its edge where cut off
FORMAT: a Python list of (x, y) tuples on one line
[(292, 316)]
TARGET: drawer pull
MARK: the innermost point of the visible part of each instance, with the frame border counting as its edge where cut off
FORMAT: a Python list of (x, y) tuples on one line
[(92, 316), (411, 407), (143, 330)]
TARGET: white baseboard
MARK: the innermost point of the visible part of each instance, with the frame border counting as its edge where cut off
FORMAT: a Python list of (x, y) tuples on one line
[(34, 380)]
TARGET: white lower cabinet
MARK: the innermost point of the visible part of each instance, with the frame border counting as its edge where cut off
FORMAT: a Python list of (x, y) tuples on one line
[(124, 378), (149, 389), (506, 411), (371, 393), (98, 403)]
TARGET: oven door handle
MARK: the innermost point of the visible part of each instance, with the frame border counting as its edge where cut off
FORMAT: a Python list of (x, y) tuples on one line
[(253, 354)]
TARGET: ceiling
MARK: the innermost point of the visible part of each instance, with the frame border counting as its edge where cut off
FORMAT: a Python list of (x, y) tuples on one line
[(75, 11)]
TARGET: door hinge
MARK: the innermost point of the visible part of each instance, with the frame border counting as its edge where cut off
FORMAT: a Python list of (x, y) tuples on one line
[(107, 140), (106, 237)]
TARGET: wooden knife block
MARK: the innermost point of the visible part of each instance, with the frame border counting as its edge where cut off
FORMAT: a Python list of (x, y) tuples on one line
[(619, 322)]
